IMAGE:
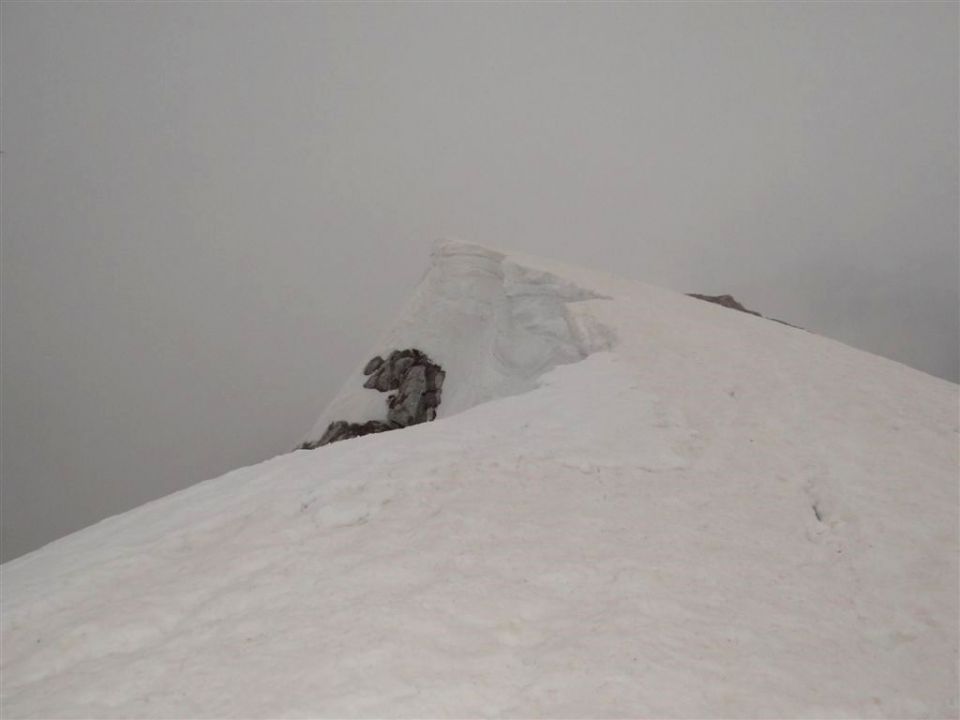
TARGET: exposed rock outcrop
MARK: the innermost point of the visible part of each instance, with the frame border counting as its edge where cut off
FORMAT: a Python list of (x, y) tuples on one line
[(418, 382), (728, 301)]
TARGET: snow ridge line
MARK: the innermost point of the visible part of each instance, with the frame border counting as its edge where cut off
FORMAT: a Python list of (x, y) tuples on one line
[(494, 325)]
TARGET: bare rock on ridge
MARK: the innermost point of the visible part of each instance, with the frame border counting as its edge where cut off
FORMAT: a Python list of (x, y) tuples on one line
[(418, 382)]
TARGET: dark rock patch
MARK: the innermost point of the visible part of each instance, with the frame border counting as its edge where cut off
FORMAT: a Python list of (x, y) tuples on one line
[(342, 430), (418, 382), (728, 301), (374, 363)]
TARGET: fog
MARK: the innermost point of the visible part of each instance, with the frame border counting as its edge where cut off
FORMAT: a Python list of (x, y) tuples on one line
[(211, 210)]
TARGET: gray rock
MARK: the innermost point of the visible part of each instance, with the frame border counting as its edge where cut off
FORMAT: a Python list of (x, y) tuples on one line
[(336, 430), (401, 366), (375, 362), (407, 407), (729, 301), (380, 380), (417, 381)]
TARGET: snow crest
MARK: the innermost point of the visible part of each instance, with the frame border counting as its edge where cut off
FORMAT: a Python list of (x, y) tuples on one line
[(494, 326)]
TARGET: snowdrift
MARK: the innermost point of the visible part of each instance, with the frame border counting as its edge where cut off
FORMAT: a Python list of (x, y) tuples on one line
[(632, 503), (493, 325)]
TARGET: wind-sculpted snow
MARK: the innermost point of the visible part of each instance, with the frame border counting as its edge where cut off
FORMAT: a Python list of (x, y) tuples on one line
[(720, 516), (494, 326)]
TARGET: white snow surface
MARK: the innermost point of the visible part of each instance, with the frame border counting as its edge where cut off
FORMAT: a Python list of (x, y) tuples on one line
[(633, 503), (493, 325)]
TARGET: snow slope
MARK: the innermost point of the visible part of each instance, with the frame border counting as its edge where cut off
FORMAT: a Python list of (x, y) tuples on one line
[(634, 503), (495, 326)]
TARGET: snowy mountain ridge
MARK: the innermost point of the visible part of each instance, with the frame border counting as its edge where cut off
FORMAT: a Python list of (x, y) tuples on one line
[(494, 326), (632, 503)]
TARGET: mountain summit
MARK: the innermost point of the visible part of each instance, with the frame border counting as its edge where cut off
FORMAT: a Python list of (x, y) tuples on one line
[(630, 503)]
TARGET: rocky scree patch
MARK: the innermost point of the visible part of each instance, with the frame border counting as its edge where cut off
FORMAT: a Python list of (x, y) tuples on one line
[(418, 382)]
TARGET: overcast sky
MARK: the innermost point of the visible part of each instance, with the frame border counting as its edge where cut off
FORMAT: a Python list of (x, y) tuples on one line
[(211, 210)]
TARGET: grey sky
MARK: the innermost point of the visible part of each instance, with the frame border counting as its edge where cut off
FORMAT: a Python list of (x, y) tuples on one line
[(210, 210)]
